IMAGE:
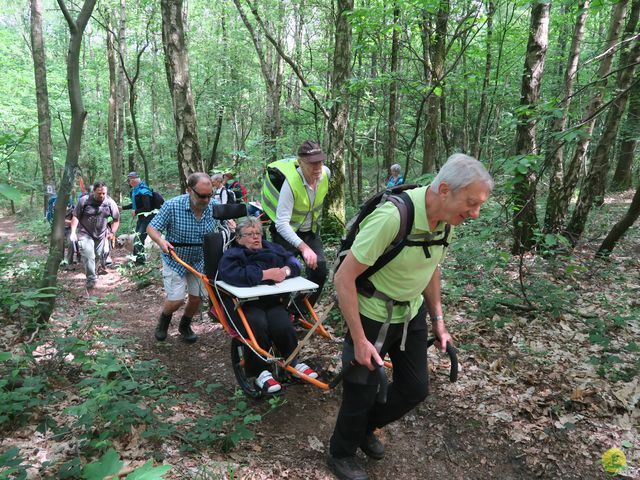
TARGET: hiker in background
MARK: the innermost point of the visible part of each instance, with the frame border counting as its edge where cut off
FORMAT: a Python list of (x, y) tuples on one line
[(142, 207), (239, 191), (389, 317), (396, 178), (92, 214), (185, 220), (296, 210), (252, 261), (221, 195)]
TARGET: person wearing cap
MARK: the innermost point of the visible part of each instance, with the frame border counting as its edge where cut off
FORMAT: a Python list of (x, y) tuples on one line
[(296, 209), (141, 206)]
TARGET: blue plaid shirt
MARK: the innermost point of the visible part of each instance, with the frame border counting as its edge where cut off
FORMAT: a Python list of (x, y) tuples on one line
[(180, 225)]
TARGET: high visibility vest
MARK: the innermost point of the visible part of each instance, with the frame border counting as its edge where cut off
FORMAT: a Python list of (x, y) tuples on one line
[(277, 172)]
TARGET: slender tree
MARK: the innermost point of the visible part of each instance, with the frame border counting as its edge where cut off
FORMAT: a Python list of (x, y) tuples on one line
[(112, 115), (630, 132), (45, 147), (482, 109), (177, 66), (620, 228), (78, 115), (524, 216), (392, 123), (554, 157)]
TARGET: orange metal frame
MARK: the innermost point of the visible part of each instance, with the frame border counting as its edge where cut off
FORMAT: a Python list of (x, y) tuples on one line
[(251, 341)]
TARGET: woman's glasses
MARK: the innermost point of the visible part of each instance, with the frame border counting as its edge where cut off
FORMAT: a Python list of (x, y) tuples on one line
[(251, 234)]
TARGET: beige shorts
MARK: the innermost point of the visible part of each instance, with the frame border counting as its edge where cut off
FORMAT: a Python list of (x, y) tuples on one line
[(176, 287)]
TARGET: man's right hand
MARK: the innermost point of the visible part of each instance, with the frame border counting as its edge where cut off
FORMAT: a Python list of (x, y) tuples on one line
[(309, 256), (165, 246), (73, 237), (366, 354)]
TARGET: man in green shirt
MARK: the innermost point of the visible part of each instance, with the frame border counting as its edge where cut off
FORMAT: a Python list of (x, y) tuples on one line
[(411, 281)]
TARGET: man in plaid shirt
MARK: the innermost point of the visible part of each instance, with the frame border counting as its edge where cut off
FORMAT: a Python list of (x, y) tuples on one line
[(185, 220)]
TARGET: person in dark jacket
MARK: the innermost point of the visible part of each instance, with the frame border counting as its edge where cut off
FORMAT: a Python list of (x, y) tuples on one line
[(141, 204), (254, 261)]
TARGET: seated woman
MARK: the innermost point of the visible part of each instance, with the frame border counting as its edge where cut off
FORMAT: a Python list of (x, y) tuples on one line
[(250, 262)]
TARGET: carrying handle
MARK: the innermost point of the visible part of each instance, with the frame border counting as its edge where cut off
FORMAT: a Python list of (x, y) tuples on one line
[(381, 396), (453, 356)]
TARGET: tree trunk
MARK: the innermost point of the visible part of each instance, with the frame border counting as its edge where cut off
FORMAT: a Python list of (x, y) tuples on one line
[(524, 216), (392, 135), (554, 157), (595, 103), (122, 88), (594, 182), (78, 114), (335, 210), (272, 68), (629, 134), (184, 110), (213, 159), (620, 228), (112, 118), (485, 83), (45, 147)]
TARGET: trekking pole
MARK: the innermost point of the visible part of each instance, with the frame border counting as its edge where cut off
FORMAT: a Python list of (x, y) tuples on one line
[(453, 356)]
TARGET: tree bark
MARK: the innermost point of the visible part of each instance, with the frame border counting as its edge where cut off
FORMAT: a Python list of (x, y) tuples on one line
[(122, 88), (272, 68), (593, 186), (485, 82), (335, 209), (112, 117), (620, 228), (554, 157), (184, 110), (524, 216), (392, 127), (595, 103), (630, 132), (78, 115), (45, 146)]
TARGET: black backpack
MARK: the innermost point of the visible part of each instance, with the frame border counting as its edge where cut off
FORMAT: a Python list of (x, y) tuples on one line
[(398, 196), (156, 200)]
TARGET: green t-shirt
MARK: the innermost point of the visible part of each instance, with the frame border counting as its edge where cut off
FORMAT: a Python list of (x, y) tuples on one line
[(406, 276)]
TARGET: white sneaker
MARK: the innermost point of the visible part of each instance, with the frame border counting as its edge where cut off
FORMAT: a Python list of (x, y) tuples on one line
[(266, 382), (306, 370)]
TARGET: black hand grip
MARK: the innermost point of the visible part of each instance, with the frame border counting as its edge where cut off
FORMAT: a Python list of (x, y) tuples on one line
[(381, 396), (453, 356)]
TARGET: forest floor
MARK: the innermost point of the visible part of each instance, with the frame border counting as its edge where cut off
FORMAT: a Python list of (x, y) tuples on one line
[(528, 402)]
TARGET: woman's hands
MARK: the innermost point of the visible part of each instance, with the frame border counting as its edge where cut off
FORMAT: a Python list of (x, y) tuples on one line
[(276, 274)]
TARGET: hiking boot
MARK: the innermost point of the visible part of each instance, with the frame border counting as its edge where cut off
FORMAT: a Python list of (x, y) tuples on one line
[(185, 330), (306, 370), (347, 468), (162, 327), (372, 447), (267, 383)]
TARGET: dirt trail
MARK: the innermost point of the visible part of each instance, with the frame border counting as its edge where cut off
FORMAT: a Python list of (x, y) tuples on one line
[(444, 437)]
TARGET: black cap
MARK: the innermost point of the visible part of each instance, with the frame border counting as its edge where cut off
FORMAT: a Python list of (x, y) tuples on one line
[(311, 152)]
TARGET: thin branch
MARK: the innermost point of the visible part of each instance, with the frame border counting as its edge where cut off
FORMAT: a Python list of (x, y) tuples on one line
[(72, 24)]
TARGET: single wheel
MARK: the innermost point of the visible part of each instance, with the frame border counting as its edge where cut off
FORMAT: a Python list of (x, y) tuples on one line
[(247, 384)]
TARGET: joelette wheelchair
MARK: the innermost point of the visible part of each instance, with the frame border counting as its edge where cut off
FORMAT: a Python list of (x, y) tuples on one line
[(214, 246)]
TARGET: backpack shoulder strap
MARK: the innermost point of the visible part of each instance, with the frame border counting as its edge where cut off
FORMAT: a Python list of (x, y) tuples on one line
[(405, 207)]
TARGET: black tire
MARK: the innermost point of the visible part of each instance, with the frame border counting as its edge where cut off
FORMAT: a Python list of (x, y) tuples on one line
[(247, 384)]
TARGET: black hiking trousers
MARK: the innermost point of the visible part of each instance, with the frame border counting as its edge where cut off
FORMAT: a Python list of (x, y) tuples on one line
[(319, 275), (359, 412)]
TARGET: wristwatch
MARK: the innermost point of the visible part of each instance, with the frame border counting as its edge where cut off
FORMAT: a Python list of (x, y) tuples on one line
[(287, 271)]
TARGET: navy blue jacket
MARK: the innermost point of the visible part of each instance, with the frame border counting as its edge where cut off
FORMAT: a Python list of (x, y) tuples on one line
[(243, 267)]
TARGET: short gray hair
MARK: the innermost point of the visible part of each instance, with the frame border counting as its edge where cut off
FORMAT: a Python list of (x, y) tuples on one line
[(216, 177), (197, 177), (460, 171), (395, 168), (247, 223)]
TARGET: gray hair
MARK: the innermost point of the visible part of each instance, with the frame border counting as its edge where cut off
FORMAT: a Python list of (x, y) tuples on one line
[(395, 168), (460, 171), (247, 223), (197, 177), (216, 177)]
